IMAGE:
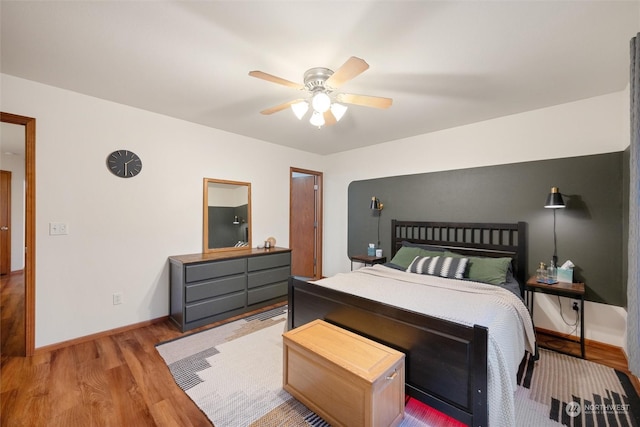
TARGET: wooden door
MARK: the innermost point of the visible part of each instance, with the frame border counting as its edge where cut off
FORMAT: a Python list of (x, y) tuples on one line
[(305, 226), (5, 222)]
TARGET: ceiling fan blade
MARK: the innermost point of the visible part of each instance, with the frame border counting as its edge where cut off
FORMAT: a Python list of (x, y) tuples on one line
[(350, 69), (365, 100), (274, 79), (279, 107), (329, 118)]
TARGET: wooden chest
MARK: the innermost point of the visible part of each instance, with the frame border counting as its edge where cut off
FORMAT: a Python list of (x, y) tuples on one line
[(347, 379)]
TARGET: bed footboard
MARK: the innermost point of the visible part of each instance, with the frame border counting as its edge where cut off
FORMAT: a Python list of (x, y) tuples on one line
[(446, 363)]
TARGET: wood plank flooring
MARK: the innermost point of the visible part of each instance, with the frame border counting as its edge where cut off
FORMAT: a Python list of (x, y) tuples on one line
[(12, 321), (116, 380), (594, 351)]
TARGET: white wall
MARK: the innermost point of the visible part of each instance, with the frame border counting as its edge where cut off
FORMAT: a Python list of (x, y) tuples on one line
[(590, 126), (121, 231)]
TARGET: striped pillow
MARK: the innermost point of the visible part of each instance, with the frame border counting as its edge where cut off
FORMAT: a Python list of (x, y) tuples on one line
[(450, 267)]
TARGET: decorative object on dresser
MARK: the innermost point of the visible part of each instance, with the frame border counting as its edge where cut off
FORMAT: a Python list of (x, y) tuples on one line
[(270, 242), (210, 287), (447, 361)]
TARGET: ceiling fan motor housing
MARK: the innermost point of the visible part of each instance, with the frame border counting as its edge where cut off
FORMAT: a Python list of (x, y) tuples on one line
[(315, 78)]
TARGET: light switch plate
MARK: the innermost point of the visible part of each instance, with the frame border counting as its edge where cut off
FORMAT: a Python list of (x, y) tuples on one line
[(58, 228)]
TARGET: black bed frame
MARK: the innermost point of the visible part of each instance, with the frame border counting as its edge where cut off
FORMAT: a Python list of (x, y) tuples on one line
[(446, 363)]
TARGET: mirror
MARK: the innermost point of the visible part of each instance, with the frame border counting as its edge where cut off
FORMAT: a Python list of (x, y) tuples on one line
[(227, 215)]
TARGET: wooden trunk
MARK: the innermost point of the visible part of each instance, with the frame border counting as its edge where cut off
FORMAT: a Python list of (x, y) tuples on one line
[(347, 379)]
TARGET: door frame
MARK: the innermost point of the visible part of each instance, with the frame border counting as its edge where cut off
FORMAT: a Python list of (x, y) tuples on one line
[(318, 213), (5, 258), (29, 124)]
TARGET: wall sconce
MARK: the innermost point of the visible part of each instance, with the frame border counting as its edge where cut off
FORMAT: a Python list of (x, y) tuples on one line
[(554, 201), (375, 204), (376, 207), (237, 220)]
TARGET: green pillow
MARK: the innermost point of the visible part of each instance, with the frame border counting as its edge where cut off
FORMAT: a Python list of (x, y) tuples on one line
[(486, 269), (406, 254)]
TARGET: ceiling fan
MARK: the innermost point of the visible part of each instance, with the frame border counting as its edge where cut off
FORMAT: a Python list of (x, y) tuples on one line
[(321, 84)]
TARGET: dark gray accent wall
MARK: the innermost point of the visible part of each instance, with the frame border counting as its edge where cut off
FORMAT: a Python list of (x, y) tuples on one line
[(222, 232), (590, 231)]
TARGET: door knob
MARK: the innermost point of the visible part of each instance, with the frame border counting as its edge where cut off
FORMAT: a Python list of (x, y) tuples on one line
[(4, 228)]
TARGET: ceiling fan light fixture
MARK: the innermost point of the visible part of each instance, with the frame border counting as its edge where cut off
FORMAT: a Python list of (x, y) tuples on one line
[(300, 109), (317, 119), (338, 110), (321, 102), (320, 86)]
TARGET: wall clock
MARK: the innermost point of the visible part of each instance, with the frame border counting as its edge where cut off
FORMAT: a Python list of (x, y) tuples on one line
[(124, 163)]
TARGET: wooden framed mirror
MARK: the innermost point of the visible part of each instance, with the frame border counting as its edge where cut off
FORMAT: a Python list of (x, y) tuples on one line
[(226, 215)]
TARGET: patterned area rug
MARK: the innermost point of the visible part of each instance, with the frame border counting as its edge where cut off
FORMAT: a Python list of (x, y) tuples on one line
[(574, 392), (233, 373)]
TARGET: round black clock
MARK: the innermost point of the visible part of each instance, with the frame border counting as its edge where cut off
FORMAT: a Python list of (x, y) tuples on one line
[(124, 163)]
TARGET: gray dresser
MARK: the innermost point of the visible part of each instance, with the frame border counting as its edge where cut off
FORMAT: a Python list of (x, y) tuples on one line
[(209, 287)]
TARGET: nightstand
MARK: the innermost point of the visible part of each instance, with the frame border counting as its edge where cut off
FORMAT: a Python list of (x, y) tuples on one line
[(563, 289), (367, 260)]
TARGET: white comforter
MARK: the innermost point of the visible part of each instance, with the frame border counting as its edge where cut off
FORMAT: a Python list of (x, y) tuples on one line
[(469, 303)]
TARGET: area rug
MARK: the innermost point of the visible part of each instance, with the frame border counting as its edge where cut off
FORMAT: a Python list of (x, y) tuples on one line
[(233, 373)]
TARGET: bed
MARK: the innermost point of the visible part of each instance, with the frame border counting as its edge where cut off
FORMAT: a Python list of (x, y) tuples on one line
[(449, 361)]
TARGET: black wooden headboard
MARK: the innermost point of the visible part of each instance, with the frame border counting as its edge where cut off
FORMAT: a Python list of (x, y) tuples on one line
[(469, 238)]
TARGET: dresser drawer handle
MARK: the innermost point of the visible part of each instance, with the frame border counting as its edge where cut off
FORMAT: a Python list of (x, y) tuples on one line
[(392, 376)]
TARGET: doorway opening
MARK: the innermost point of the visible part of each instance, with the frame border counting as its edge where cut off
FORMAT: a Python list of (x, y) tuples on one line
[(305, 222), (26, 279)]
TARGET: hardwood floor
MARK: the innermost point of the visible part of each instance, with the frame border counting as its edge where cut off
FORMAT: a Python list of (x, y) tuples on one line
[(12, 321), (594, 351), (119, 380)]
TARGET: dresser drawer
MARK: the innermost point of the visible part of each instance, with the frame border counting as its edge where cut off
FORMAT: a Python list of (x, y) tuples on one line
[(214, 288), (267, 292), (266, 277), (211, 270), (269, 261), (201, 310)]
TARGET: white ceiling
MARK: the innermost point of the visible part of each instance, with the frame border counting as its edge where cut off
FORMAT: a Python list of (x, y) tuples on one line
[(444, 63)]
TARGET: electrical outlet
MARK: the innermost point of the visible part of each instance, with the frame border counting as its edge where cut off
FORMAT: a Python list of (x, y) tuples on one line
[(576, 307), (117, 298)]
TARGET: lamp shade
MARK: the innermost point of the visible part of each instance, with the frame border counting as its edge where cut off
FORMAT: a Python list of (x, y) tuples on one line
[(321, 102), (554, 199), (300, 109), (375, 204), (317, 119), (338, 110)]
